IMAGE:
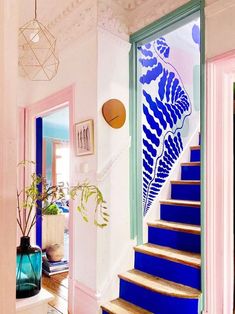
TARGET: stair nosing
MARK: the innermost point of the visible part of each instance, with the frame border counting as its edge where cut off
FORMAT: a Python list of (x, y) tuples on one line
[(159, 285), (176, 226), (191, 164), (195, 147), (181, 203), (186, 182), (108, 305), (163, 252)]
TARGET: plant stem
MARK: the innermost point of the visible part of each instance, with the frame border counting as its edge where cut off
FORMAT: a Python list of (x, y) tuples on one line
[(32, 224), (35, 217), (19, 212), (25, 210), (20, 226), (28, 217)]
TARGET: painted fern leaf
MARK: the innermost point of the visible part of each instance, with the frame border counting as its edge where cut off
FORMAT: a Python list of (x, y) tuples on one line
[(166, 105)]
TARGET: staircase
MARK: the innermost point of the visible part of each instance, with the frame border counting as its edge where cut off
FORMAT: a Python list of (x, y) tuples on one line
[(167, 275)]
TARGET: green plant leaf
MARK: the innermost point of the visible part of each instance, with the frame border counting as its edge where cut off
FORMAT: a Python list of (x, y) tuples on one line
[(85, 218), (28, 197)]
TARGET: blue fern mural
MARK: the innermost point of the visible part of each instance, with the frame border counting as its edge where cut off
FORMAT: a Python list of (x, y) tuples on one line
[(196, 34), (166, 105)]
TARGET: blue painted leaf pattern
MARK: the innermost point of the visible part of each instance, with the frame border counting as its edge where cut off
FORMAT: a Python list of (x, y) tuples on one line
[(162, 47), (166, 105), (196, 34)]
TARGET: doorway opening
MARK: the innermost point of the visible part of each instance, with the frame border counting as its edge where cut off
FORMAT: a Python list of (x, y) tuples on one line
[(54, 227), (61, 287)]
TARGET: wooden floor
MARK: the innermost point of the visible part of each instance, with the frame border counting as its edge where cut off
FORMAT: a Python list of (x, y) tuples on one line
[(58, 286)]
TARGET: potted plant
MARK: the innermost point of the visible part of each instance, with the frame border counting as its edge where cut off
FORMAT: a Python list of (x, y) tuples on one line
[(53, 226), (35, 200)]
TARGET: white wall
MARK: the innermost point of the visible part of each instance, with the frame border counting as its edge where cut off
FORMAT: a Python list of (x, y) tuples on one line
[(98, 65), (78, 65), (115, 249)]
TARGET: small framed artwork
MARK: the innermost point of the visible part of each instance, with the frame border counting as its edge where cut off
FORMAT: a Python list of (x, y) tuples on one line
[(84, 138)]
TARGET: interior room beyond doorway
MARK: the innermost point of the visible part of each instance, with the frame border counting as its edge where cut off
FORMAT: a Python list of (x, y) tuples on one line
[(55, 225)]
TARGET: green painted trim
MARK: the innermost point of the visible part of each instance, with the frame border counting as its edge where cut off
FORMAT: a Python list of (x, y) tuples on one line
[(166, 21), (136, 211), (200, 305), (203, 155), (133, 155)]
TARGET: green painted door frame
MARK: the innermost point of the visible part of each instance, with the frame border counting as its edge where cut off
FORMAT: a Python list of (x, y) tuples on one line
[(142, 36)]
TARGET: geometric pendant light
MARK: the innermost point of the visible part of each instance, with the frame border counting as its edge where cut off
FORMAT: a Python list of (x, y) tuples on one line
[(38, 58)]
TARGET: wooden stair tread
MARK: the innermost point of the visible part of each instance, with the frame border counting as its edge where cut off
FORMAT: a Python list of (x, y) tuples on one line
[(120, 306), (187, 182), (181, 203), (176, 226), (196, 147), (191, 163), (160, 285), (187, 258)]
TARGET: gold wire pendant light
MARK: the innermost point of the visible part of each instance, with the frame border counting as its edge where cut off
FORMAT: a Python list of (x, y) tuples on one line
[(38, 59)]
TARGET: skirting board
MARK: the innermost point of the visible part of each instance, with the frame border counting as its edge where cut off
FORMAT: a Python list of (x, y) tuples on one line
[(86, 301)]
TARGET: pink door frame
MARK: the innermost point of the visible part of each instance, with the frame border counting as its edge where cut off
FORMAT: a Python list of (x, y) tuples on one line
[(41, 108), (219, 185)]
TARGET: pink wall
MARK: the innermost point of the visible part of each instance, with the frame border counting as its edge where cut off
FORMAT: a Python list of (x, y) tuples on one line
[(219, 185), (220, 45), (20, 157), (8, 144)]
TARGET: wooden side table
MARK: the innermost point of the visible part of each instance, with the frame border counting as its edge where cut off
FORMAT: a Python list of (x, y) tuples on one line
[(36, 305)]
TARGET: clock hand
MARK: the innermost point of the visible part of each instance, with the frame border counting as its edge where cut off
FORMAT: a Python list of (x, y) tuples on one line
[(113, 118)]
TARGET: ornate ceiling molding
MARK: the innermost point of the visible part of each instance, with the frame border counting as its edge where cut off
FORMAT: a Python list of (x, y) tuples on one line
[(69, 20), (66, 12), (150, 11), (78, 18), (113, 17), (66, 20)]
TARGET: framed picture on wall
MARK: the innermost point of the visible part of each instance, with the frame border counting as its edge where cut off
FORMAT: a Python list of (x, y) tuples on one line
[(84, 138)]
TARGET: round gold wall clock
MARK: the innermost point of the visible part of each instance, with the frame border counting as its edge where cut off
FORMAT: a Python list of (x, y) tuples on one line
[(114, 113)]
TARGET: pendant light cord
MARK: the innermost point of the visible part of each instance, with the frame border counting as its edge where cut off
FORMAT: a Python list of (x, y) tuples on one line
[(35, 9)]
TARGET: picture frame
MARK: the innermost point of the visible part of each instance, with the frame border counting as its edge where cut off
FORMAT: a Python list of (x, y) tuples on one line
[(84, 138)]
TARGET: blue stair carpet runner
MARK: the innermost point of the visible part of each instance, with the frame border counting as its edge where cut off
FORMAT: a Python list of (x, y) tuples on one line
[(167, 274)]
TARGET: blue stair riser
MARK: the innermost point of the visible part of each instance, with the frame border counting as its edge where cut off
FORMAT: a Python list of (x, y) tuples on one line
[(155, 302), (190, 172), (195, 155), (104, 312), (190, 192), (174, 239), (169, 270), (182, 214)]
